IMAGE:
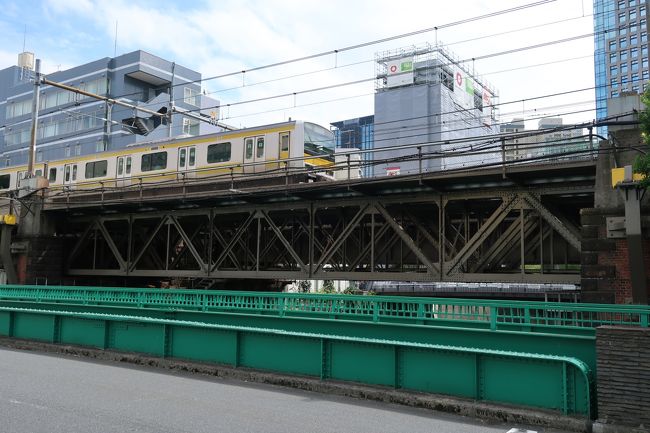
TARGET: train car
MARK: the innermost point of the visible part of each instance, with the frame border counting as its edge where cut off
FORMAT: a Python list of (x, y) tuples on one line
[(269, 148)]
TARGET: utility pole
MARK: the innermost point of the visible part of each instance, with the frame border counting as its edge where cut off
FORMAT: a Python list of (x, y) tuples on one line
[(170, 110), (35, 106)]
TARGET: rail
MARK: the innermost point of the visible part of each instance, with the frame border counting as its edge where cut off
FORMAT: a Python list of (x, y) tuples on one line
[(492, 313)]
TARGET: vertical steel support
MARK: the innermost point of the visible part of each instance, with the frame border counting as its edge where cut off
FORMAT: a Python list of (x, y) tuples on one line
[(541, 245), (312, 218), (259, 235), (129, 246), (522, 236), (210, 239), (168, 246), (372, 242), (441, 237)]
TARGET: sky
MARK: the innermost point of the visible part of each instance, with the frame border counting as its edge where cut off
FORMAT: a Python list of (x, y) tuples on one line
[(227, 36)]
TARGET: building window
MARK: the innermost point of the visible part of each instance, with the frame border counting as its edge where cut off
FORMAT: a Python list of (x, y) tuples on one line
[(190, 96), (622, 43), (77, 149), (632, 3), (621, 17), (645, 75), (633, 39), (644, 37), (613, 71), (219, 152), (635, 78), (622, 31), (632, 15), (623, 56), (635, 89), (644, 63), (621, 4), (634, 28), (613, 83), (67, 151), (612, 58), (642, 23), (644, 50), (634, 53), (624, 69), (642, 11), (634, 65), (612, 45), (154, 161), (96, 169), (614, 94)]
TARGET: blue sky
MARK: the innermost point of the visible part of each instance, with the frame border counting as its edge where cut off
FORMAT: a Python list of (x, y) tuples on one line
[(215, 38)]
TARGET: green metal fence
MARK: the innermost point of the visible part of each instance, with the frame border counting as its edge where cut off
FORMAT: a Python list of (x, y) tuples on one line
[(559, 383), (490, 313)]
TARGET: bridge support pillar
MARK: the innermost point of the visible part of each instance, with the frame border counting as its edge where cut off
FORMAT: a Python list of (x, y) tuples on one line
[(37, 250)]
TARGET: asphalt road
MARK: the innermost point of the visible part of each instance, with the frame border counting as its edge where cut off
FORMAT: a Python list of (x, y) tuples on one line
[(53, 394)]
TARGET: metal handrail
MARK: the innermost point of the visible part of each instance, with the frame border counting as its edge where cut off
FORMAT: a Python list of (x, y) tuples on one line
[(372, 308)]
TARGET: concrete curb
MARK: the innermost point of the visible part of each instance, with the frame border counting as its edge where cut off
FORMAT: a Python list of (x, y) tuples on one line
[(458, 406)]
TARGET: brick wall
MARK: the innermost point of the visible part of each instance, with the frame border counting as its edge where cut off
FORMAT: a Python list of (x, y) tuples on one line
[(623, 357), (605, 269)]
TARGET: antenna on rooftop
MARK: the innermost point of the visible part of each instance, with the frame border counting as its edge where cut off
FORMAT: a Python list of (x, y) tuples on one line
[(24, 37)]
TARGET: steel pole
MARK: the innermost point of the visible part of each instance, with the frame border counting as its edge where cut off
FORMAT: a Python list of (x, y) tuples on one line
[(35, 104)]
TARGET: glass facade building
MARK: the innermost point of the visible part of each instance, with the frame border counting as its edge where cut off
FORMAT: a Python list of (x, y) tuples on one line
[(358, 133), (620, 50)]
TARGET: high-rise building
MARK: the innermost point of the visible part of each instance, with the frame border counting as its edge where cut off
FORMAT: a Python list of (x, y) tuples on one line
[(70, 124), (425, 95), (620, 51), (357, 133)]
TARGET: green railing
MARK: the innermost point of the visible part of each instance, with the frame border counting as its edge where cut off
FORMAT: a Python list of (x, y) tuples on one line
[(560, 383), (492, 313)]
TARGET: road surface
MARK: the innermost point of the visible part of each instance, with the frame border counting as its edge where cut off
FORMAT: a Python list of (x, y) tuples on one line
[(56, 394)]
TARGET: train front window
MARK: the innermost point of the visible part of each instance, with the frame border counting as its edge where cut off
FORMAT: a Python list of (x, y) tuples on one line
[(318, 139)]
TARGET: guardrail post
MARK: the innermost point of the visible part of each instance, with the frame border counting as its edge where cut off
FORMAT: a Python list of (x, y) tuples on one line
[(281, 306), (420, 313), (375, 311), (493, 318), (527, 323), (644, 319)]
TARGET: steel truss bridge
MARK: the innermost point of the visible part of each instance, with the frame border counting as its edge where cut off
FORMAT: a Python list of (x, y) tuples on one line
[(491, 225)]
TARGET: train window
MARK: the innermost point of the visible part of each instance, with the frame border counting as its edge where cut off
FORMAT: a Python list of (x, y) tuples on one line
[(249, 148), (221, 152), (260, 147), (181, 158), (39, 172), (192, 159), (4, 181), (96, 169), (154, 161), (74, 172), (128, 165), (52, 176), (67, 173), (284, 142)]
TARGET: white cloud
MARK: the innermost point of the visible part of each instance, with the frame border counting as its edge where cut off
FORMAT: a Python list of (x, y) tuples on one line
[(227, 36)]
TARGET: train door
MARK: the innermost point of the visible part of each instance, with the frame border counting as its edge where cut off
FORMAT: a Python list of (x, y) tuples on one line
[(254, 152), (124, 167), (284, 148), (186, 162), (69, 174)]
